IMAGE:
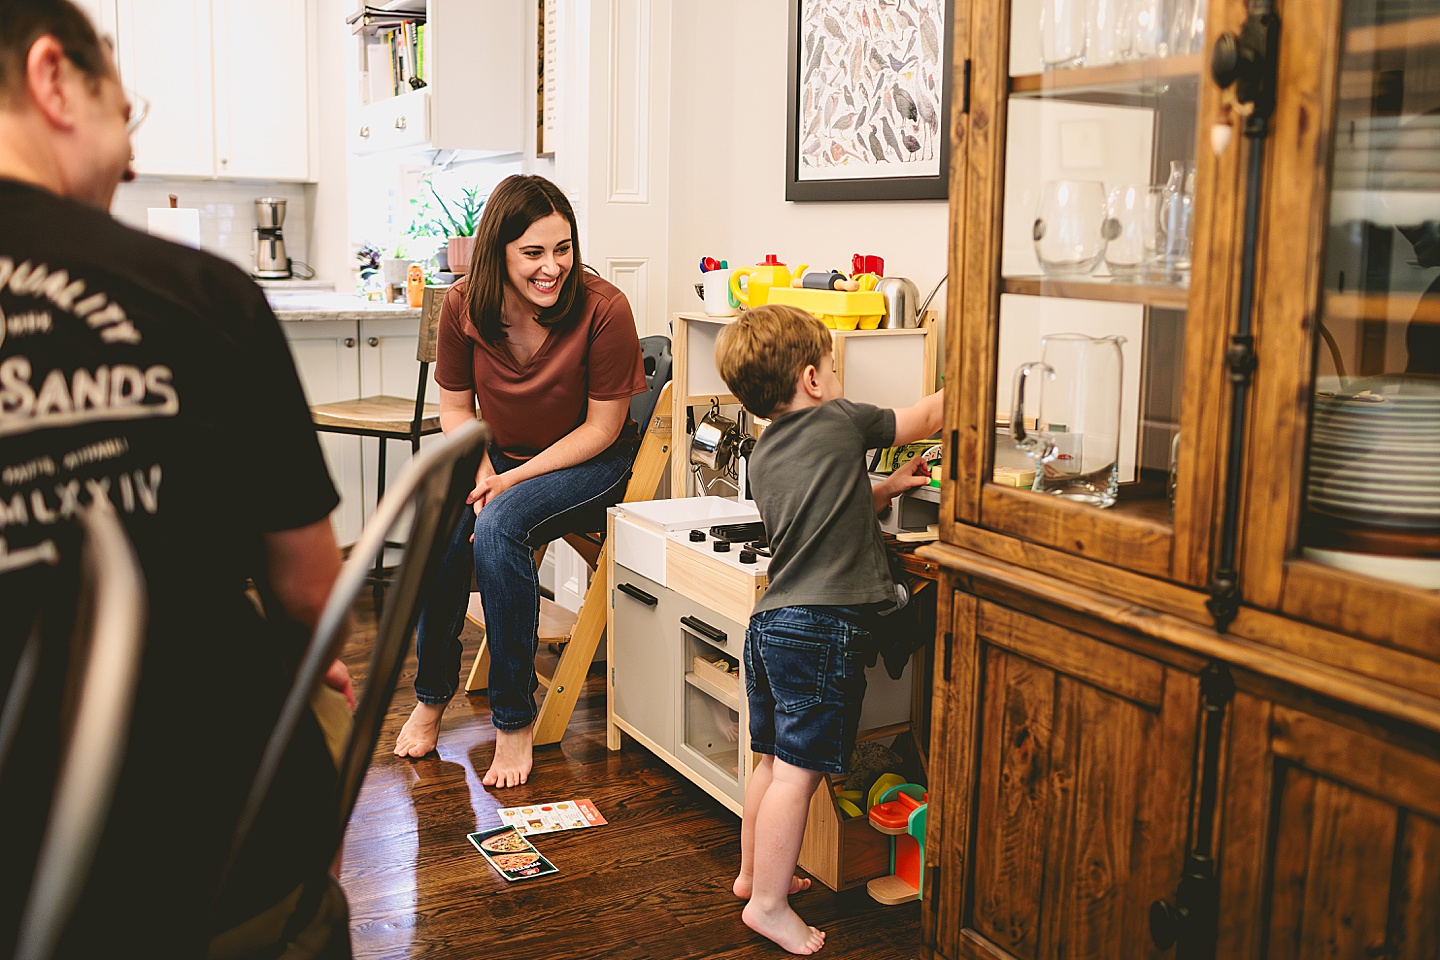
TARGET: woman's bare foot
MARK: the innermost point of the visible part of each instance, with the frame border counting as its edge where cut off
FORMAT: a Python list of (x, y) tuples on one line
[(744, 886), (784, 927), (511, 766), (421, 732)]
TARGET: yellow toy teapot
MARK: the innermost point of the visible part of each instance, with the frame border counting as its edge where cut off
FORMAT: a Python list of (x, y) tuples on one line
[(763, 276)]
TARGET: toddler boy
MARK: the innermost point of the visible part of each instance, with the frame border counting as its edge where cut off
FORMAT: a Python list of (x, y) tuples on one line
[(808, 640)]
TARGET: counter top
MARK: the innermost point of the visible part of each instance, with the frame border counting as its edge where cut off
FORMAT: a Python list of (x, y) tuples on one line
[(301, 307)]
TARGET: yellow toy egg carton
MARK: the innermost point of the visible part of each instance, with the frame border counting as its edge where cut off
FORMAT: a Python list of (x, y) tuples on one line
[(837, 309)]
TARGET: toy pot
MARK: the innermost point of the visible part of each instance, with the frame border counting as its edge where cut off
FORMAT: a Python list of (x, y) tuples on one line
[(1076, 440), (762, 276)]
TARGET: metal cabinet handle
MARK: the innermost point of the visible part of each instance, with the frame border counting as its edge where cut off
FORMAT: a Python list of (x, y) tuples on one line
[(350, 342), (365, 133), (704, 629), (373, 341), (637, 593), (400, 123)]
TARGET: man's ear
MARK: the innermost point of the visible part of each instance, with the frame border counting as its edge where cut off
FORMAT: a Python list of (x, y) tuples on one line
[(49, 82)]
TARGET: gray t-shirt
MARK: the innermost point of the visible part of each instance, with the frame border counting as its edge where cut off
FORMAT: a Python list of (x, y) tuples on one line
[(809, 480)]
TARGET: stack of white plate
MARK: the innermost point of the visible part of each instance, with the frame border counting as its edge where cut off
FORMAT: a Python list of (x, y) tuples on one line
[(1375, 452)]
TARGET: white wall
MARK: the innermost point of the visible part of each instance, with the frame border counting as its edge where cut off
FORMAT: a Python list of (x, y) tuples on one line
[(727, 164), (227, 212)]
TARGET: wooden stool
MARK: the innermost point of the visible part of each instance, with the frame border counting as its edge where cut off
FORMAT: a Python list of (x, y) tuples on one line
[(557, 625)]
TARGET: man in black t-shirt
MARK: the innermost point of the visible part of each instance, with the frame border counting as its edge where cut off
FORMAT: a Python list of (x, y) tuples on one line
[(154, 376)]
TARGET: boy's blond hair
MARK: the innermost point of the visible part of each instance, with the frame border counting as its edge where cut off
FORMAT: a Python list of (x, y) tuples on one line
[(760, 355)]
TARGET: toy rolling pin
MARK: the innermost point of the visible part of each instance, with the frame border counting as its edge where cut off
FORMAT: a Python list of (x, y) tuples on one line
[(832, 280)]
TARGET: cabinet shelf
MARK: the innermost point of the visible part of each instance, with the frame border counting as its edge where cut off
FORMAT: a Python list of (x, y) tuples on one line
[(1168, 296), (1393, 37), (713, 690), (1371, 307), (1136, 78)]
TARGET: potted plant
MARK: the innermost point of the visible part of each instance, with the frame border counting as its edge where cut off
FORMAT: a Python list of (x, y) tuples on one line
[(456, 221)]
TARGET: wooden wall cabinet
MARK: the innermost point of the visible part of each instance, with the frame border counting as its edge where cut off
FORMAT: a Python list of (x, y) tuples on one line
[(1108, 717)]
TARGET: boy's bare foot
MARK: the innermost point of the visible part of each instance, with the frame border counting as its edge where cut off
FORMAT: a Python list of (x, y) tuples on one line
[(421, 732), (511, 766), (784, 927), (744, 886)]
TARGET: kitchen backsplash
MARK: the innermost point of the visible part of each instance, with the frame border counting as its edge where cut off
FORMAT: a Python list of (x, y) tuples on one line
[(227, 212)]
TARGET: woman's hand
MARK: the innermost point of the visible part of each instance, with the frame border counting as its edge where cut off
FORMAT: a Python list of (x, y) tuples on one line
[(488, 489)]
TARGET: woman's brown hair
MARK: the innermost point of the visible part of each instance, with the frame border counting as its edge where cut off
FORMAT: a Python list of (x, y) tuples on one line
[(513, 206)]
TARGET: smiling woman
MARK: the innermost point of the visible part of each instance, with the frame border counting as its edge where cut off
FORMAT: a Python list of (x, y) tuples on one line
[(552, 357)]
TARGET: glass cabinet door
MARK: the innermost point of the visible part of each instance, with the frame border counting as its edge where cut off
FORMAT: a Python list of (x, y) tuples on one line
[(1362, 551), (1083, 205), (1372, 501)]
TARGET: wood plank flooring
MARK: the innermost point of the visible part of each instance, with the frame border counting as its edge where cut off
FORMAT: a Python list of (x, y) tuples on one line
[(654, 884)]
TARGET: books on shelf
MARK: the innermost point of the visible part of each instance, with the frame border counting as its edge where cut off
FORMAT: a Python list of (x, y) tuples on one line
[(395, 59)]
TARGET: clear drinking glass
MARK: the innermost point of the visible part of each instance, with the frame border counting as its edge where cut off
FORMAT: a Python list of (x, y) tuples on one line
[(1177, 222), (1062, 32), (1152, 28), (1076, 440), (1109, 33), (1132, 230), (1069, 230)]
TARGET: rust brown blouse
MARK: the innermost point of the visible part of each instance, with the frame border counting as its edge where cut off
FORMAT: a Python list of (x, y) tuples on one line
[(531, 405)]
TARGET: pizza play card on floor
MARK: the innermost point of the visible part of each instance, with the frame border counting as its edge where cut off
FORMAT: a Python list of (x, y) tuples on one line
[(511, 855), (549, 817)]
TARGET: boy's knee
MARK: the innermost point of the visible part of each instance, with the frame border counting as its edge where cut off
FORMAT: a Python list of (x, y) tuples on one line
[(492, 533)]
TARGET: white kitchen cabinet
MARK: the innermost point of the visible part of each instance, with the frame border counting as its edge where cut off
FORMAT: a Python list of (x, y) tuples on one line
[(327, 357), (388, 367), (345, 360), (164, 52), (263, 84), (226, 100), (475, 71)]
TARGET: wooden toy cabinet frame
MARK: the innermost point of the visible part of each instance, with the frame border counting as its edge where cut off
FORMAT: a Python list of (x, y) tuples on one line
[(1095, 726)]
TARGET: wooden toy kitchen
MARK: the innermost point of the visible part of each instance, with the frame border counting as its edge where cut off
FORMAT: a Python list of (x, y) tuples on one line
[(684, 574)]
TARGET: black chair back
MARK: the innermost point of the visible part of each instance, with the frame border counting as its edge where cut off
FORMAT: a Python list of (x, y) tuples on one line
[(656, 353), (435, 483), (102, 675)]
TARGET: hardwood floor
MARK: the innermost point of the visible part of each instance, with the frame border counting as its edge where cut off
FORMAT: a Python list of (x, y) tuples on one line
[(653, 884)]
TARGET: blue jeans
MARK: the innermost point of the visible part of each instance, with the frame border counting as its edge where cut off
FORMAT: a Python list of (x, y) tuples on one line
[(507, 532), (805, 682)]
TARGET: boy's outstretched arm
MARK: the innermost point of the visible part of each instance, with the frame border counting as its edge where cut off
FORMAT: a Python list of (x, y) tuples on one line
[(920, 421)]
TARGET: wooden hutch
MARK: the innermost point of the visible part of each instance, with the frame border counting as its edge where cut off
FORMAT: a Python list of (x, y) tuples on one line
[(1205, 719)]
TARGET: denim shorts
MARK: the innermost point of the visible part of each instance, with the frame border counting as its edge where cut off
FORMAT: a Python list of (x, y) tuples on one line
[(805, 680)]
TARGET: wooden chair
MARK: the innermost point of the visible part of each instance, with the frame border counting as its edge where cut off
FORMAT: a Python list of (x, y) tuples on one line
[(389, 418), (100, 694), (579, 633)]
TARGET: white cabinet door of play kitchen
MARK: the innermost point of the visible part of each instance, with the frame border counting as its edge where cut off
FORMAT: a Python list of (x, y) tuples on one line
[(678, 611)]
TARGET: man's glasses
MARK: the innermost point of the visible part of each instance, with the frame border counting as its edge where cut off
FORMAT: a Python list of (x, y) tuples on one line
[(139, 110)]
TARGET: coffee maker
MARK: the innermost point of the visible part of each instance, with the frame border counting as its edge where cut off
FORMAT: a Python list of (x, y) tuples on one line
[(271, 263)]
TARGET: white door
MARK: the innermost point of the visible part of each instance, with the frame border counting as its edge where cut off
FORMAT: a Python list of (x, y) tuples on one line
[(262, 89), (327, 356), (165, 57), (615, 160)]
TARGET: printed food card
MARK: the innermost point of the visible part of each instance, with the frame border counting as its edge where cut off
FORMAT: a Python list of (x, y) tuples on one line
[(549, 817), (510, 854)]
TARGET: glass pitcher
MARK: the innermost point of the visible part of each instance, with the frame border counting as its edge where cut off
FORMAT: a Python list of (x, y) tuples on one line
[(1075, 442)]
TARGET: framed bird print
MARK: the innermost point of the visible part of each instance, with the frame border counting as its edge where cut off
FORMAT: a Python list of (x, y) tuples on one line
[(869, 100)]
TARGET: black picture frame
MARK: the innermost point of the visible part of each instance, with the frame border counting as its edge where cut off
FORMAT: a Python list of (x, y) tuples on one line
[(898, 187)]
